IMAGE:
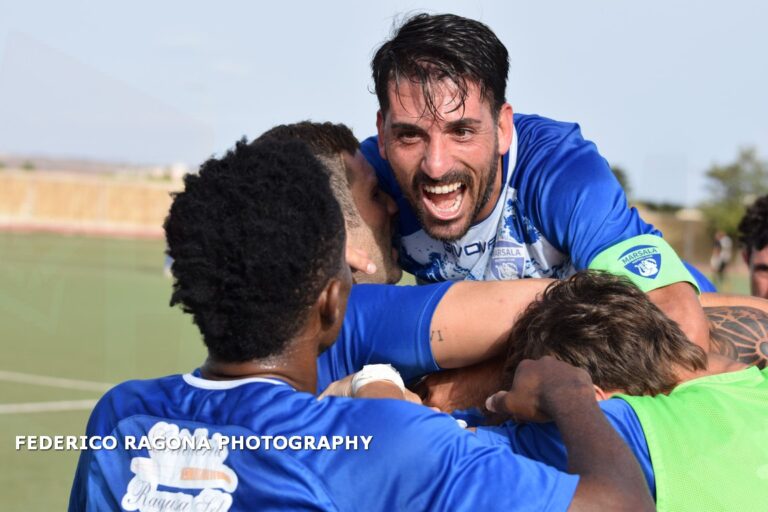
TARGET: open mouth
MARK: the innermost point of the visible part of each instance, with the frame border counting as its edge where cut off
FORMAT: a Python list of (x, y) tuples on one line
[(444, 201)]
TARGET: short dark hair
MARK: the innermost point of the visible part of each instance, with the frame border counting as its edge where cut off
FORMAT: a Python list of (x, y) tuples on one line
[(430, 48), (607, 326), (255, 237), (754, 226), (327, 141)]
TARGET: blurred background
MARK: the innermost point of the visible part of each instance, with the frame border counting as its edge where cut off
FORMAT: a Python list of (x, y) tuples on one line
[(104, 108)]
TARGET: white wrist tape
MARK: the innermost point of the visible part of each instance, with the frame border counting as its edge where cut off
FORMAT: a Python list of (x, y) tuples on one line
[(372, 372)]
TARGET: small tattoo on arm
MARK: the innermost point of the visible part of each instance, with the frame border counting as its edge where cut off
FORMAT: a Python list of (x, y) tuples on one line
[(739, 332), (436, 336)]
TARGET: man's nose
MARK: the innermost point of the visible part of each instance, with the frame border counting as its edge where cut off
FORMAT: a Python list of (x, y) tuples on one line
[(436, 162)]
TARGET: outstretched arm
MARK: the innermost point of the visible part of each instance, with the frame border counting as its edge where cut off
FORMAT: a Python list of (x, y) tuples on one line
[(473, 320)]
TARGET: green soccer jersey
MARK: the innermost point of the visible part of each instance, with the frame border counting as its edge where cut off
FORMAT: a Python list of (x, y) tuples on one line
[(708, 442)]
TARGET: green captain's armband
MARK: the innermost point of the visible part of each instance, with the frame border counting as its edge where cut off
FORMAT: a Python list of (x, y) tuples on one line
[(646, 260)]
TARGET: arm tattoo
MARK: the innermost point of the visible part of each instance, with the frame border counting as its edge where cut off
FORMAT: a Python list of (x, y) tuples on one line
[(436, 336), (740, 333)]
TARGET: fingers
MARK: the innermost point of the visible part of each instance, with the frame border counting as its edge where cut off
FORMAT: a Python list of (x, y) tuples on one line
[(497, 402), (359, 260)]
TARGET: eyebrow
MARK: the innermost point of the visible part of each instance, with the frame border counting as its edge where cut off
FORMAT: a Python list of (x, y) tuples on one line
[(760, 267), (452, 125)]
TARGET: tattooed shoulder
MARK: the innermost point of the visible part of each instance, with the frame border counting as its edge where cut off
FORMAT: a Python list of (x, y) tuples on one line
[(739, 332)]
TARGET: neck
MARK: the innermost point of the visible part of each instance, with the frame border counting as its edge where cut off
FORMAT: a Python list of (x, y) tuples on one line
[(296, 367), (716, 364)]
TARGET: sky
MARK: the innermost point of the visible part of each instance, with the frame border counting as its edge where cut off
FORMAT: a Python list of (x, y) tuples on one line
[(665, 89)]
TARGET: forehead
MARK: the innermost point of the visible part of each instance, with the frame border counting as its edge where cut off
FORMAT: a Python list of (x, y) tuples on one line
[(407, 103)]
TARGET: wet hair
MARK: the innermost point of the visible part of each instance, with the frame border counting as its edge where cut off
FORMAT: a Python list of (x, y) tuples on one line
[(754, 226), (255, 237), (427, 49), (607, 326), (328, 142)]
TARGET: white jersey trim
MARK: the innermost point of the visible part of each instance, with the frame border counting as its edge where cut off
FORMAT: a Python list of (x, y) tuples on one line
[(228, 384)]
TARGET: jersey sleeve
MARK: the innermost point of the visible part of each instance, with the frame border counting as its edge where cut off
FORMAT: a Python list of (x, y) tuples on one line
[(543, 442), (580, 203), (384, 324)]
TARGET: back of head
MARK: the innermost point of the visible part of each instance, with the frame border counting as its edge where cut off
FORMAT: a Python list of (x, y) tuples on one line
[(754, 226), (605, 325), (428, 49), (328, 142), (255, 237)]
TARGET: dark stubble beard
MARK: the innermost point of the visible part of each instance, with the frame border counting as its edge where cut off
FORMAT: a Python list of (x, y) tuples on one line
[(492, 170)]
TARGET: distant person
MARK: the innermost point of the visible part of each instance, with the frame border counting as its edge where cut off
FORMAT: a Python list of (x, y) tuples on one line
[(258, 246), (722, 251), (754, 238), (701, 443)]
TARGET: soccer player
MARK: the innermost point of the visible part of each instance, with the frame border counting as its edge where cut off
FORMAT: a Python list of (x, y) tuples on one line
[(754, 237), (485, 195), (701, 443), (264, 320), (422, 329)]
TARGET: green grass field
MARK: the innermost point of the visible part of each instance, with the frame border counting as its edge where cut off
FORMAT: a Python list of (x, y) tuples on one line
[(83, 309)]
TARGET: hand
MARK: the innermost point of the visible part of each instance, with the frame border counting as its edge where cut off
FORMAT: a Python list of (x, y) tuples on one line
[(359, 261), (342, 387), (540, 388)]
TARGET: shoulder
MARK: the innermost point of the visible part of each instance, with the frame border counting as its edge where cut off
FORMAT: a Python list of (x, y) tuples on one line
[(124, 400)]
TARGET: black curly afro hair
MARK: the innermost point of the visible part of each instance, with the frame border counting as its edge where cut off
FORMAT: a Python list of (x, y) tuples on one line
[(255, 237)]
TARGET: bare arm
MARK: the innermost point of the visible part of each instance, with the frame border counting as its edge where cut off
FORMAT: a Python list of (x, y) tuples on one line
[(609, 475), (680, 303), (473, 320)]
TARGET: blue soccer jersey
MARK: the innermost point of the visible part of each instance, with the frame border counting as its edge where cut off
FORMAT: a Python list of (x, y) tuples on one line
[(560, 206), (178, 450), (543, 442), (384, 324)]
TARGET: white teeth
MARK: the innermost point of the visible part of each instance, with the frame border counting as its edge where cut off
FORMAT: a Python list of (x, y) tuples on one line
[(444, 189)]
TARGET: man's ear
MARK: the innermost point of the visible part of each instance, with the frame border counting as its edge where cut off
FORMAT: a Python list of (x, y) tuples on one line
[(745, 255), (600, 394), (329, 303), (505, 128), (380, 130)]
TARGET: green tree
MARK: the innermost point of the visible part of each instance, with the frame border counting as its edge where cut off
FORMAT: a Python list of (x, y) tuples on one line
[(732, 188), (621, 175)]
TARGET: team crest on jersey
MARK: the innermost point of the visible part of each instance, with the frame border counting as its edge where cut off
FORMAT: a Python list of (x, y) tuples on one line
[(507, 260), (642, 260), (199, 466)]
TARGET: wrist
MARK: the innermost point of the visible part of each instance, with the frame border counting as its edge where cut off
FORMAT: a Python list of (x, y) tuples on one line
[(377, 372)]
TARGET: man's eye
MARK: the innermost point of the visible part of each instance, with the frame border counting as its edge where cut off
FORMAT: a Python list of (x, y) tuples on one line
[(462, 133), (408, 136)]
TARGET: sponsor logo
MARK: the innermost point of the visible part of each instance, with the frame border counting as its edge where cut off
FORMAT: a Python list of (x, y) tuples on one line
[(507, 260), (469, 249), (180, 460), (642, 260)]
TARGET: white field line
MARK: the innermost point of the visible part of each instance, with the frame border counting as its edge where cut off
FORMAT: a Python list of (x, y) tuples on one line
[(63, 405), (54, 382)]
